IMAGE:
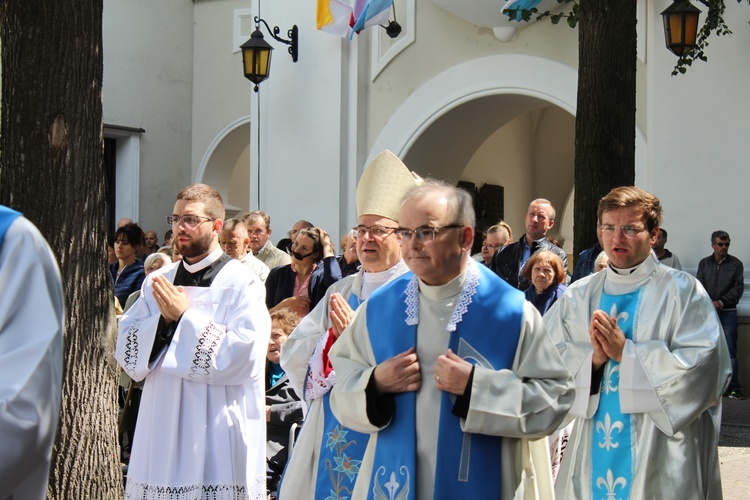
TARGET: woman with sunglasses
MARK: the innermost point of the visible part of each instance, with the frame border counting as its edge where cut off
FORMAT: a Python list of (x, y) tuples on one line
[(301, 284)]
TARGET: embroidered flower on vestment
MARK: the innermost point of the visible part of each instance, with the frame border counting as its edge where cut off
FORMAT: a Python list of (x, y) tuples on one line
[(347, 465)]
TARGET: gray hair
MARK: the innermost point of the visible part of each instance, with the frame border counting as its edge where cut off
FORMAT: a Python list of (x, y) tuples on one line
[(460, 204)]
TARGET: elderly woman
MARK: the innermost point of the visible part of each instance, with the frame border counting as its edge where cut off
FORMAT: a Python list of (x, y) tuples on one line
[(283, 405), (601, 261), (547, 274), (153, 262), (301, 284)]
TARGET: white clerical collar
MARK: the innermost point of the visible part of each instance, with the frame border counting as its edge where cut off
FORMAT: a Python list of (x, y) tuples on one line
[(373, 281), (441, 292), (626, 280), (203, 263)]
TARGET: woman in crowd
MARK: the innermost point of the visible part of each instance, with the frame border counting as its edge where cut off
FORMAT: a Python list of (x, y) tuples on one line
[(127, 273), (547, 274), (601, 261), (283, 405), (497, 237), (301, 284)]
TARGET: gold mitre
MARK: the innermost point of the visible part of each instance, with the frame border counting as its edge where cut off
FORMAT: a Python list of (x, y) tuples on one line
[(384, 181)]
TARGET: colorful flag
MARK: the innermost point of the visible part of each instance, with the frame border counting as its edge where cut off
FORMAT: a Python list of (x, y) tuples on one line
[(372, 13), (334, 16), (519, 5)]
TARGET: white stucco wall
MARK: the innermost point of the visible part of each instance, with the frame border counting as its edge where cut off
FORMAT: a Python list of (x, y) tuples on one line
[(148, 61), (697, 142)]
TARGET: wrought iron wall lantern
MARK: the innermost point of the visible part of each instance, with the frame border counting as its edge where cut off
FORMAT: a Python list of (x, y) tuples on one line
[(256, 52)]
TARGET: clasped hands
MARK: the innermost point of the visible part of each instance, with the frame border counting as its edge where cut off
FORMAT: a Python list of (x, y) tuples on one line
[(171, 300), (606, 337), (401, 373)]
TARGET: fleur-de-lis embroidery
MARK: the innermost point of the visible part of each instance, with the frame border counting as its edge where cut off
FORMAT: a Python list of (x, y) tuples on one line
[(608, 427), (618, 317), (395, 491), (611, 484), (611, 378)]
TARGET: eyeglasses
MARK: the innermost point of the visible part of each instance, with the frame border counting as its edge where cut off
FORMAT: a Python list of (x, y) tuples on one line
[(190, 221), (629, 231), (493, 247), (423, 233), (376, 231), (722, 245)]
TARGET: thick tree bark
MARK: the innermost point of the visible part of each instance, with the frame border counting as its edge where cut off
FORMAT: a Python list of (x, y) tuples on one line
[(605, 119), (51, 154)]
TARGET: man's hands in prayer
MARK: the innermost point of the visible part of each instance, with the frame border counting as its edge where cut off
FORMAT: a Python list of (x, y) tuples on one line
[(340, 313), (606, 338), (452, 373), (398, 374), (171, 300)]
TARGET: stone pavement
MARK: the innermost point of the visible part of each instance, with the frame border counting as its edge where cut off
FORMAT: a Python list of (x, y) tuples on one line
[(734, 448)]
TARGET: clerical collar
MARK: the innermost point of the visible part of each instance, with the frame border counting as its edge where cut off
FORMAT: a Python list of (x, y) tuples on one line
[(373, 281), (441, 292), (621, 281), (205, 262)]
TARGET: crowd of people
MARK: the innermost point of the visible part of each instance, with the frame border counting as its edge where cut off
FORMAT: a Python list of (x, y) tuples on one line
[(401, 367)]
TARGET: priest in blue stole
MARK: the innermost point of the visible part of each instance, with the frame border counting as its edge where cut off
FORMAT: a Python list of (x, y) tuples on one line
[(650, 363), (449, 370)]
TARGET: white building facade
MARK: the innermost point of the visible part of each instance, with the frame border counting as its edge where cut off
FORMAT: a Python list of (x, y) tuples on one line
[(460, 95)]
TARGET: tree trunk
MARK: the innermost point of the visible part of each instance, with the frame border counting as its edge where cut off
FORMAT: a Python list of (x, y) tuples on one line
[(605, 120), (51, 170)]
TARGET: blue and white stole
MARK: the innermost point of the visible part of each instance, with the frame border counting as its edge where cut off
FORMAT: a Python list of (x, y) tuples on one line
[(612, 451), (341, 449), (7, 216), (484, 330)]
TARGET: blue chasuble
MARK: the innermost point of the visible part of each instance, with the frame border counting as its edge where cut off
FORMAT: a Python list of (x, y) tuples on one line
[(7, 216), (612, 454), (341, 450), (485, 328)]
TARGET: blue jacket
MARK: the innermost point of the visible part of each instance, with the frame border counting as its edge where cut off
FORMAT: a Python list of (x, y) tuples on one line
[(130, 279), (544, 300)]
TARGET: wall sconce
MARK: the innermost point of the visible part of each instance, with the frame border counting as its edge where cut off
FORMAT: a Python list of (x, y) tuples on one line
[(256, 52), (680, 26)]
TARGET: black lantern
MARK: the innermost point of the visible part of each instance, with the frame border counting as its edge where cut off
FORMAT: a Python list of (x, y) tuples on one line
[(256, 58), (680, 26), (256, 53)]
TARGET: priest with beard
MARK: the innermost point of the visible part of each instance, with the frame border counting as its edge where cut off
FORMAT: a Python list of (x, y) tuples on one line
[(198, 336)]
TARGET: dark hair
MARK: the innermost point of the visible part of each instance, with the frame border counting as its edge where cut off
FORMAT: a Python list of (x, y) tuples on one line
[(314, 234), (719, 235), (663, 232), (132, 234), (167, 235)]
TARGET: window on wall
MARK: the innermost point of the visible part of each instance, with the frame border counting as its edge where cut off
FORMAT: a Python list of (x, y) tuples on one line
[(110, 187)]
